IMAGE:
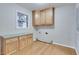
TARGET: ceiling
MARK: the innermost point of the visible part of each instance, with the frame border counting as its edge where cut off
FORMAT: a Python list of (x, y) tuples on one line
[(33, 6)]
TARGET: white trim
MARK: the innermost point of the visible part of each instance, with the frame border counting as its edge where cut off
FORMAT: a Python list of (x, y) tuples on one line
[(76, 51), (67, 46), (63, 45), (34, 39)]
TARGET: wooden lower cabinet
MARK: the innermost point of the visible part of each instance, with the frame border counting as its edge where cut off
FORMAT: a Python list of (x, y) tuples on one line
[(25, 41), (11, 45), (22, 42), (14, 44), (0, 45), (30, 41)]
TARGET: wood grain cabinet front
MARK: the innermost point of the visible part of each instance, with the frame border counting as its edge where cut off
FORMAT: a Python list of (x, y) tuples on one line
[(14, 44), (29, 40), (11, 45), (36, 17), (22, 42), (0, 45), (43, 17), (49, 16), (25, 41)]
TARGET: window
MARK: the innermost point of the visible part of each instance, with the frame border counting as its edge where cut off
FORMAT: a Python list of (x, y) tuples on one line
[(21, 20)]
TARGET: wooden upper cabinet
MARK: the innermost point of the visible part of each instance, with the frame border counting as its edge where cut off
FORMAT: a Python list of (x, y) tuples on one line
[(36, 17), (49, 16), (43, 17)]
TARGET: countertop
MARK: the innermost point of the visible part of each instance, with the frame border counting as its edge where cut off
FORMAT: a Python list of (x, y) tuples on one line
[(14, 35)]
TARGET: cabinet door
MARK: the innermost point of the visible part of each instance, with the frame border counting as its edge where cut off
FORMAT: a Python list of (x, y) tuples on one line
[(22, 42), (25, 41), (49, 16), (11, 45), (36, 17), (29, 40), (0, 46), (43, 17)]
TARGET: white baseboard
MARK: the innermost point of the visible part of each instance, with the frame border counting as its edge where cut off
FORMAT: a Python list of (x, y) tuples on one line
[(34, 39), (77, 51), (64, 45), (67, 46)]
